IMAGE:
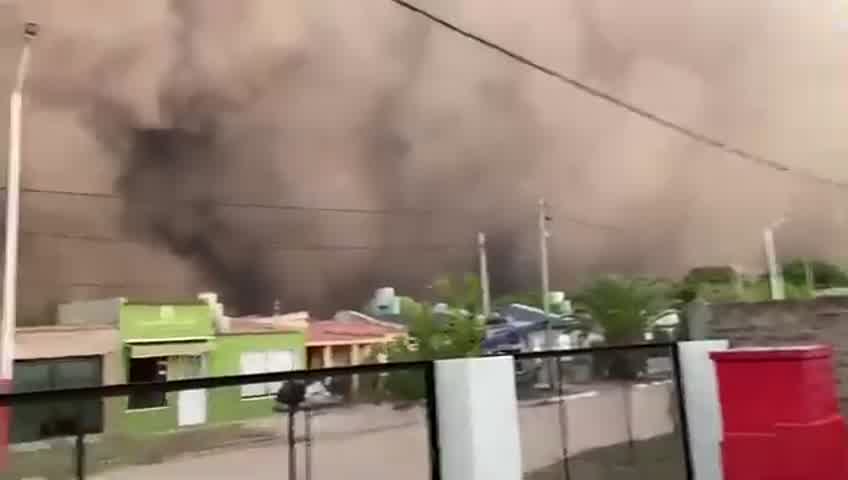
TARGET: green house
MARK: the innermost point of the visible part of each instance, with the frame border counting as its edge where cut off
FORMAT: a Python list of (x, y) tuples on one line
[(185, 340)]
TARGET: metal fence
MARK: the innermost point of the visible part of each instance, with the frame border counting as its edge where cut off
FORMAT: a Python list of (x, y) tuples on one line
[(610, 413), (585, 414), (370, 422)]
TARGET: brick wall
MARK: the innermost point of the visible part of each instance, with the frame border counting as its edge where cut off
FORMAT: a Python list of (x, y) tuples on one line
[(822, 321)]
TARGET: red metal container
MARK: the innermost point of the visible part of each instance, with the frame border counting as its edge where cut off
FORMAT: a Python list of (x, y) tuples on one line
[(781, 414), (759, 387)]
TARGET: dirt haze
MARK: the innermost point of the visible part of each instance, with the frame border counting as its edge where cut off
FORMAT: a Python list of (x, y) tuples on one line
[(363, 105)]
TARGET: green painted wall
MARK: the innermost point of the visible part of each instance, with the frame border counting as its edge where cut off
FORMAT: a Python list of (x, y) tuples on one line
[(226, 404), (154, 420), (151, 322)]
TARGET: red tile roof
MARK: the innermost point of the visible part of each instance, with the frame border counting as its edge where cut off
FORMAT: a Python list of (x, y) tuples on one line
[(254, 325), (336, 331)]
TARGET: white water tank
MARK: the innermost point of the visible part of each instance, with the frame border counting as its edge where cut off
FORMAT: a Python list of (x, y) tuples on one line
[(210, 298), (385, 300), (559, 303), (223, 324), (555, 298), (385, 296)]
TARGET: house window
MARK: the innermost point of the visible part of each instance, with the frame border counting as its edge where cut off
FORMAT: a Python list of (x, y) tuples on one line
[(146, 370), (39, 421), (265, 362)]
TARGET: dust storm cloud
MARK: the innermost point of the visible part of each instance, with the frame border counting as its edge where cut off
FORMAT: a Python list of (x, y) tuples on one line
[(180, 106)]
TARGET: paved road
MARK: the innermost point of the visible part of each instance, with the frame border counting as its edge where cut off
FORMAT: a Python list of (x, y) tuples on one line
[(376, 444), (395, 454)]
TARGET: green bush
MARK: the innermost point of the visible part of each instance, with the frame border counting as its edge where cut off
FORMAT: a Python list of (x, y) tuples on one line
[(431, 337), (723, 274), (623, 308), (825, 275)]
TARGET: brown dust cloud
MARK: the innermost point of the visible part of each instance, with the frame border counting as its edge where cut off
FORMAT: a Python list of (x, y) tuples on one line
[(387, 142)]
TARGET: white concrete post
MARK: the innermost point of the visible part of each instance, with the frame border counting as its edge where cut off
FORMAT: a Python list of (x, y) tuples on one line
[(327, 356), (354, 360), (478, 419), (700, 388)]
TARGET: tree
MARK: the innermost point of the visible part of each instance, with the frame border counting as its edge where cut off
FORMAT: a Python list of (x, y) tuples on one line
[(461, 293), (824, 274), (431, 336), (623, 309)]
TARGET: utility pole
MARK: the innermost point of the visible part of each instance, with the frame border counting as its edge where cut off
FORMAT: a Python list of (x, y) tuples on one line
[(484, 275), (544, 267), (809, 276), (13, 195), (775, 275), (549, 371)]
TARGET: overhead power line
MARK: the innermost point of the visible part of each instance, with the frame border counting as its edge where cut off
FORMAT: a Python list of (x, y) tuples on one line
[(565, 216), (397, 212), (277, 247), (90, 284), (618, 102)]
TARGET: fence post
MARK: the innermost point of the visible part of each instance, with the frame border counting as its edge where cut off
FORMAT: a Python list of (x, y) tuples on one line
[(80, 455), (433, 421), (681, 406), (478, 434), (699, 406)]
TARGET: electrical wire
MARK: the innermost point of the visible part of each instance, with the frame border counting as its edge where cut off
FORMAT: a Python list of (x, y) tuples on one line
[(275, 246), (397, 212), (87, 284), (254, 205), (683, 130)]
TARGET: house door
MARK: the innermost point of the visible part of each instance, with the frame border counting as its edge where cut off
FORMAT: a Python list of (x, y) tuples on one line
[(191, 404)]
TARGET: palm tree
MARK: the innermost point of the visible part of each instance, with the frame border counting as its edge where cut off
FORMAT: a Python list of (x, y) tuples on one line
[(463, 293), (623, 309), (431, 338)]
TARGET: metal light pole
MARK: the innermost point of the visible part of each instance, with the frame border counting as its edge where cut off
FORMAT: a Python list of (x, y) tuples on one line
[(544, 267), (775, 275), (549, 371), (484, 276), (13, 195)]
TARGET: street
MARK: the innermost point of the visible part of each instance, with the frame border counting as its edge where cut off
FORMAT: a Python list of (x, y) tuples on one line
[(375, 443), (399, 453)]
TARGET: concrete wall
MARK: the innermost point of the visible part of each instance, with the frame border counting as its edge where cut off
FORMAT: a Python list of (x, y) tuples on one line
[(113, 374), (226, 404), (606, 416), (157, 322), (94, 312), (823, 320)]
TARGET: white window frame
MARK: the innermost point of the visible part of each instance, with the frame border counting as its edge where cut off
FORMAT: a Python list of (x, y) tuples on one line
[(267, 361)]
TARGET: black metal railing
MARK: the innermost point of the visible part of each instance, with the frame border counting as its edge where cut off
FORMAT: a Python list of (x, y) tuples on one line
[(345, 422), (603, 413), (585, 414)]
